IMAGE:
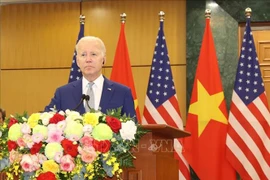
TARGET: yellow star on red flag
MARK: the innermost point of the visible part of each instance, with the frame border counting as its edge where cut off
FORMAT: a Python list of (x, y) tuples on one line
[(207, 107)]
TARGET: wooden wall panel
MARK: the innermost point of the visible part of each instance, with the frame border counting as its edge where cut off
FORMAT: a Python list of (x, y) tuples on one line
[(37, 43), (38, 35), (30, 90), (103, 20)]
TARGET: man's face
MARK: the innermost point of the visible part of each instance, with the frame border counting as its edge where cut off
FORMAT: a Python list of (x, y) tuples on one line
[(90, 59)]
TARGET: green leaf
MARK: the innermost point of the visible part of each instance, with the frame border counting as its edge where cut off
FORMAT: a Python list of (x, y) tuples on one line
[(126, 160)]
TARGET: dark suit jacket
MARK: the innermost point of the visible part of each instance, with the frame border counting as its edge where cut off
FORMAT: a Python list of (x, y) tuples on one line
[(114, 95)]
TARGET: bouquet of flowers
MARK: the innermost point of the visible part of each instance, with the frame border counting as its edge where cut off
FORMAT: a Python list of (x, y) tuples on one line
[(66, 145)]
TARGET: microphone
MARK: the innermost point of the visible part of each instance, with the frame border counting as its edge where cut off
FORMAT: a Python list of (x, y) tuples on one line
[(87, 98), (81, 101)]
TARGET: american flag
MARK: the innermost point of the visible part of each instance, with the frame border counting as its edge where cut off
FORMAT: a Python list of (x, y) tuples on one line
[(248, 143), (75, 72), (161, 104)]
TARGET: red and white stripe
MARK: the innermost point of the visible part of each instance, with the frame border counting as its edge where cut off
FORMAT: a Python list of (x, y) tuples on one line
[(248, 143), (168, 113)]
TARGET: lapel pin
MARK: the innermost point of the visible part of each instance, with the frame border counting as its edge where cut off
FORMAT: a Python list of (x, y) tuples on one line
[(109, 89)]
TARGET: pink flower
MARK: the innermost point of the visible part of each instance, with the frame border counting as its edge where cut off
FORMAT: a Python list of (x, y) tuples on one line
[(58, 156), (87, 141), (41, 158), (67, 163), (14, 156), (89, 157), (37, 137), (88, 154), (25, 128), (55, 136), (28, 140), (21, 143), (29, 163)]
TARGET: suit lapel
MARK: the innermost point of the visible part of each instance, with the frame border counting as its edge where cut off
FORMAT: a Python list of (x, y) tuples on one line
[(77, 95), (107, 93)]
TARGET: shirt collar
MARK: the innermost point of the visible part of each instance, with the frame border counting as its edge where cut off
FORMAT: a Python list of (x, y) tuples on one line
[(97, 83)]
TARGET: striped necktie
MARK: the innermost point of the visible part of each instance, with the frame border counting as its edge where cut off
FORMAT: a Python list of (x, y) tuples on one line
[(91, 95)]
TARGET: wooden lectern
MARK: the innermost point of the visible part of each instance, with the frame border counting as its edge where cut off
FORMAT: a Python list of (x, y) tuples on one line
[(154, 154)]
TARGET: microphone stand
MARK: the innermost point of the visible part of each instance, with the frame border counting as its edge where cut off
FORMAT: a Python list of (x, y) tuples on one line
[(81, 101)]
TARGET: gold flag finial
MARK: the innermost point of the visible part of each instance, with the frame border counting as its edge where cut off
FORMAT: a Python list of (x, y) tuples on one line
[(123, 17), (161, 15), (248, 12), (82, 19), (207, 13)]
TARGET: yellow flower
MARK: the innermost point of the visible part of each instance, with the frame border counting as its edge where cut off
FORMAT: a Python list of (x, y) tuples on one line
[(115, 167), (15, 132), (111, 161), (91, 118), (52, 148), (40, 129), (33, 119), (102, 132), (74, 129), (50, 165), (5, 125), (90, 168)]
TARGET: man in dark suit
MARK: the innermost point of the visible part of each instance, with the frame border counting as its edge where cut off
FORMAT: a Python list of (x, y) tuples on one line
[(91, 56)]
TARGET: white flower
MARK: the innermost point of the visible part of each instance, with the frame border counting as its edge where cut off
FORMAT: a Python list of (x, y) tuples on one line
[(61, 125), (128, 130), (72, 115), (52, 127), (62, 113), (46, 116), (25, 128), (87, 128)]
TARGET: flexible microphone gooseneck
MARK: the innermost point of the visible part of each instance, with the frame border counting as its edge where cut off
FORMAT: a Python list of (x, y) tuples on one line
[(87, 98), (81, 101)]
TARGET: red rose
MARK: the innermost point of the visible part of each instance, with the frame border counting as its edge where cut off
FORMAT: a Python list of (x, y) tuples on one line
[(102, 146), (69, 147), (35, 148), (56, 118), (114, 123), (46, 176), (11, 122), (11, 145)]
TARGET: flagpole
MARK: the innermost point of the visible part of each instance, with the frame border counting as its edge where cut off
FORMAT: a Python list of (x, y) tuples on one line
[(75, 72)]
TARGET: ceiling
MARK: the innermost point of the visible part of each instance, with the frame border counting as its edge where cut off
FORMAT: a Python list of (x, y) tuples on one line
[(33, 1)]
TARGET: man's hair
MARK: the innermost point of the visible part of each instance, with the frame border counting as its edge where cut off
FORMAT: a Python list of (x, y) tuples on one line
[(3, 112), (93, 38)]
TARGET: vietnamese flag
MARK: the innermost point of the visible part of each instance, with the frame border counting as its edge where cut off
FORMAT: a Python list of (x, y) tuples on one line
[(207, 118), (121, 70)]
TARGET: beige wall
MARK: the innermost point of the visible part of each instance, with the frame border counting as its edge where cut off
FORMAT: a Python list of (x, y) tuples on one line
[(37, 43)]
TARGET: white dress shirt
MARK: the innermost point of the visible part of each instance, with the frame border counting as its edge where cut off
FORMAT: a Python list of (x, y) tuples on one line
[(97, 88)]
